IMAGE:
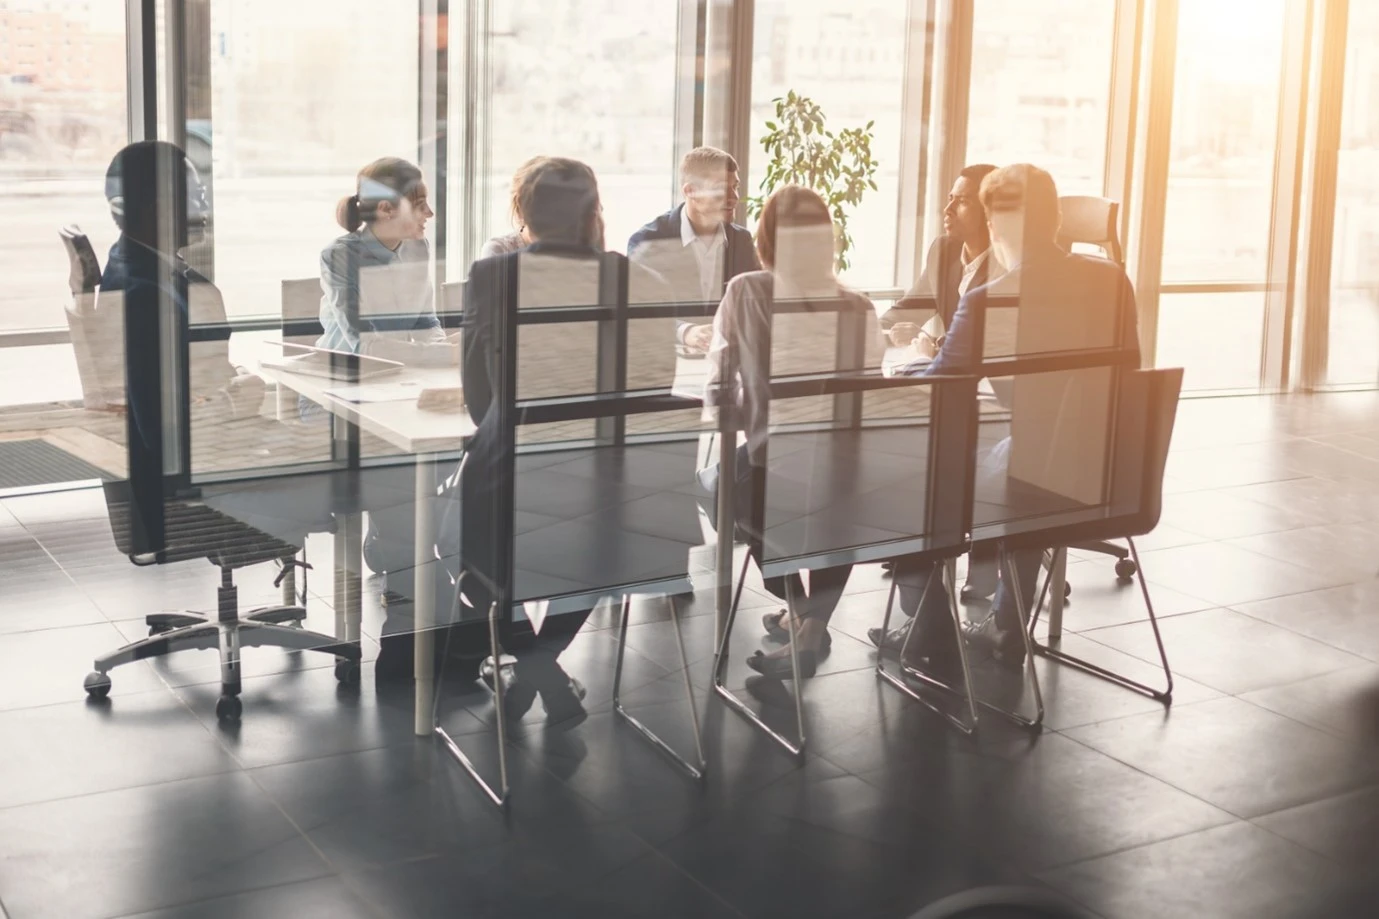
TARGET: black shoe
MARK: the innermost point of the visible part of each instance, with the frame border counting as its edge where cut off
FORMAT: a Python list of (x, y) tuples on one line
[(1005, 646), (981, 582), (771, 622), (778, 668), (891, 641)]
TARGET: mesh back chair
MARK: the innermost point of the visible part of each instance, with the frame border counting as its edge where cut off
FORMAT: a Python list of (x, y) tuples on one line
[(1093, 221), (193, 530)]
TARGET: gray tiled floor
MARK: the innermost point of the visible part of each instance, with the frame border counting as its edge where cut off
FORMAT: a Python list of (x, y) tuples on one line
[(1256, 794)]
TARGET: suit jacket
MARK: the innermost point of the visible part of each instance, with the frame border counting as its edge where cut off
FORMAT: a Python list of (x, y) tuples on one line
[(1064, 302), (937, 287), (658, 246)]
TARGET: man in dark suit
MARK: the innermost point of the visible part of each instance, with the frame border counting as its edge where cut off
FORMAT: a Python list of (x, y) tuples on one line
[(695, 247), (1064, 303), (958, 261)]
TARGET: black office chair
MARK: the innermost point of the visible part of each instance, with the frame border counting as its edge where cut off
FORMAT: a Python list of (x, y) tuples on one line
[(1144, 431), (1094, 221), (197, 531)]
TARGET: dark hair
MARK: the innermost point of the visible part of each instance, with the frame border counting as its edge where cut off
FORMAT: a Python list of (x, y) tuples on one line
[(559, 201), (145, 182), (1025, 188), (388, 179), (976, 172), (788, 206)]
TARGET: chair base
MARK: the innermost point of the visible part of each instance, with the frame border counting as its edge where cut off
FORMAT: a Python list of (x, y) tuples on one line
[(228, 633), (1052, 652)]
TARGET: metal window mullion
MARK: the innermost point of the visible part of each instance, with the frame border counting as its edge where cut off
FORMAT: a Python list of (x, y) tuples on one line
[(1118, 175), (916, 108), (141, 69), (690, 43), (1315, 280), (728, 82), (953, 92), (1287, 189), (1146, 242)]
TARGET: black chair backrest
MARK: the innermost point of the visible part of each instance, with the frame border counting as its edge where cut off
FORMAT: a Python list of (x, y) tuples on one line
[(842, 488), (1145, 414), (85, 274)]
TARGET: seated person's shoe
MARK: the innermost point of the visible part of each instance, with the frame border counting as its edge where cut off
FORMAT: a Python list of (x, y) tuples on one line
[(1005, 646), (771, 622), (891, 641), (980, 583), (778, 668)]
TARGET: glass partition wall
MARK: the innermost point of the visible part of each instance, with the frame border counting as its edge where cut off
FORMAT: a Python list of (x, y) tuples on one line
[(279, 105)]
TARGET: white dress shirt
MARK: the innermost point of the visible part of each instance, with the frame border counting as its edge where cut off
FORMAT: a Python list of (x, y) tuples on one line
[(708, 253)]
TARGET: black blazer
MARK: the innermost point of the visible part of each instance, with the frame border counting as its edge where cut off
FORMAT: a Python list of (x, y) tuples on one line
[(742, 252), (937, 286)]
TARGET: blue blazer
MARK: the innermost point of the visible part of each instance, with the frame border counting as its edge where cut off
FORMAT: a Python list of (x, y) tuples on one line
[(1049, 281)]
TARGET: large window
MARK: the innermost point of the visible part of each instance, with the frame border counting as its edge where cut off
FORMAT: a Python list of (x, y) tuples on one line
[(1220, 189), (62, 117), (300, 100), (589, 79), (1041, 83), (850, 59), (1353, 346)]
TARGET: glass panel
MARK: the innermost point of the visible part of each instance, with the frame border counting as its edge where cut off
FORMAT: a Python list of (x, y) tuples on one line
[(1041, 83), (1225, 119), (1217, 338), (588, 79), (850, 59), (62, 119), (1352, 355)]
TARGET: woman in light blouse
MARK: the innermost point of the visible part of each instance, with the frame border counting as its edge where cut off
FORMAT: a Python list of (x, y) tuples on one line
[(795, 241), (377, 296)]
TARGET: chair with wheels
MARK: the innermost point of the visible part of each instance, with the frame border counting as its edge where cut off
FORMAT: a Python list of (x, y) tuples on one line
[(1092, 221), (193, 530)]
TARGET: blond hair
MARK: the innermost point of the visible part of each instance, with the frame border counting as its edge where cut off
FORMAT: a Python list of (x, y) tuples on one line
[(705, 164)]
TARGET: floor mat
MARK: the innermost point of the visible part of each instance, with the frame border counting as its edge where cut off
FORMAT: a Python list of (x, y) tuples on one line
[(25, 463)]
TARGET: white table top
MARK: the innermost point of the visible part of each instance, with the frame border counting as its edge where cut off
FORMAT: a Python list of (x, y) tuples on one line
[(397, 421)]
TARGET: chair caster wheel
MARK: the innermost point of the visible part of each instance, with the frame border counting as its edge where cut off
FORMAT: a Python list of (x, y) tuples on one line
[(1067, 590), (1126, 569), (228, 708), (97, 684), (347, 672)]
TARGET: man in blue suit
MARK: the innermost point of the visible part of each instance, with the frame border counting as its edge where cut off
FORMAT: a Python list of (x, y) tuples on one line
[(1063, 302), (695, 247)]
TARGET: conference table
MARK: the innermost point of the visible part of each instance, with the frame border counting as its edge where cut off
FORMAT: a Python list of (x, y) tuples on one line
[(386, 407)]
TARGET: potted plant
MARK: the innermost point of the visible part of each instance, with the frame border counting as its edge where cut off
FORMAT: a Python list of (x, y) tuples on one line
[(803, 151)]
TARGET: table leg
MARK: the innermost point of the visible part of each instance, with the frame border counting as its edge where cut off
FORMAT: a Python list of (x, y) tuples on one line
[(727, 514), (1058, 577), (424, 600)]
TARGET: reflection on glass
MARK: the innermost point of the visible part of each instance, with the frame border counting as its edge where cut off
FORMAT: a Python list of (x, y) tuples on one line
[(1225, 118), (850, 59), (588, 79), (1041, 82)]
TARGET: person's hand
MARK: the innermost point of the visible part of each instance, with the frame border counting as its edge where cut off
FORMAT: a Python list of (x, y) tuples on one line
[(902, 333), (925, 345), (699, 337)]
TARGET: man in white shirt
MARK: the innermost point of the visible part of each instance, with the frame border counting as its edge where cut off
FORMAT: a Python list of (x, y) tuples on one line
[(695, 247)]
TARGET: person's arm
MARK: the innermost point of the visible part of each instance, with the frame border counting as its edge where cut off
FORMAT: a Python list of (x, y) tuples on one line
[(920, 302), (960, 352), (481, 297)]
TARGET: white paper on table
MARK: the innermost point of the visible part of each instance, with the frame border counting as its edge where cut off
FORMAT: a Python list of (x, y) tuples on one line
[(405, 391)]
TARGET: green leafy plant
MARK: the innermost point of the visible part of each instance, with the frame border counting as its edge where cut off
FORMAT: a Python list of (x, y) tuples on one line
[(804, 152)]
